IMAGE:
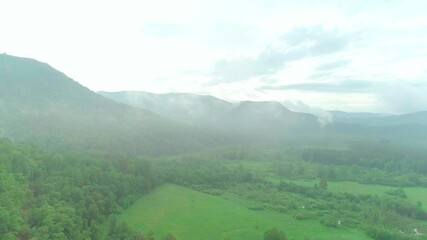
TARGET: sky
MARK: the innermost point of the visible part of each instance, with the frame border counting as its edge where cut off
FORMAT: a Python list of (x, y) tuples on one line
[(364, 56)]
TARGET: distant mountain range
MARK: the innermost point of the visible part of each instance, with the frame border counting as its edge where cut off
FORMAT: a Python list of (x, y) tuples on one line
[(380, 119), (41, 105), (270, 118), (208, 111)]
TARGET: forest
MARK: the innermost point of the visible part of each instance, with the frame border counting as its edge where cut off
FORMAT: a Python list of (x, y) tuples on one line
[(76, 195), (50, 196)]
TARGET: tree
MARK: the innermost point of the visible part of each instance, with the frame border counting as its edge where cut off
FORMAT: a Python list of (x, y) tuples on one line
[(323, 184), (151, 236), (170, 236), (274, 234)]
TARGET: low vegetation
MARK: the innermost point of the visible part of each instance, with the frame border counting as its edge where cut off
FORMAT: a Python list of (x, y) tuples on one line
[(189, 214), (233, 193), (254, 175)]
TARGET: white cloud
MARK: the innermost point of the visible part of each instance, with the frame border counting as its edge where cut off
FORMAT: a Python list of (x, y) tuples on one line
[(173, 45), (402, 97), (324, 117)]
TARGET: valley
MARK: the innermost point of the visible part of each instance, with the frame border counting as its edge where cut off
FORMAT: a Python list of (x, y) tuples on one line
[(75, 164), (213, 120)]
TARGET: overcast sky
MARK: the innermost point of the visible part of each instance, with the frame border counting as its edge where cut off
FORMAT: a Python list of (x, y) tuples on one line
[(344, 55)]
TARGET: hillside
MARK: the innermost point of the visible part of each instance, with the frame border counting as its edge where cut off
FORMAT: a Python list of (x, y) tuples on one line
[(188, 108), (41, 105), (247, 117), (378, 119), (271, 123)]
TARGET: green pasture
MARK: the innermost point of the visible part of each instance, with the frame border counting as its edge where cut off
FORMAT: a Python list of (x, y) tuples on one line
[(416, 194), (189, 214)]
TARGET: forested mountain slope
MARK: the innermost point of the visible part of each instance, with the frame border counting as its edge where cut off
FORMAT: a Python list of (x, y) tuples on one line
[(270, 122), (249, 117), (373, 119), (42, 105)]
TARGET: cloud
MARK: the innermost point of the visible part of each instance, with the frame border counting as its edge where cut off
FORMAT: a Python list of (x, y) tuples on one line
[(332, 65), (162, 29), (403, 97), (230, 35), (325, 71), (300, 43), (320, 40), (346, 86), (266, 63), (323, 116)]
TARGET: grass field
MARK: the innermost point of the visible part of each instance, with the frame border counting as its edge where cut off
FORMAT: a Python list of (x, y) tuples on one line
[(189, 214), (414, 193), (417, 194)]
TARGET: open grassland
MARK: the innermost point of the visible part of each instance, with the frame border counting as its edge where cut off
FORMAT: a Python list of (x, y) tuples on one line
[(189, 214), (415, 194)]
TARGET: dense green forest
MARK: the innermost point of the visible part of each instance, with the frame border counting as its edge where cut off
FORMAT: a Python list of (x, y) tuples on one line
[(270, 178), (45, 195), (42, 106)]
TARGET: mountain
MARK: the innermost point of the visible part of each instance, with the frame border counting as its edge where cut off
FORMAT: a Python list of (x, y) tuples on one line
[(188, 108), (271, 123), (41, 105), (271, 117), (380, 119), (247, 117), (341, 115)]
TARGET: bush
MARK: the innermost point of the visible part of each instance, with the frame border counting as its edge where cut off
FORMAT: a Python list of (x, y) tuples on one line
[(303, 216), (170, 236), (274, 234), (329, 221)]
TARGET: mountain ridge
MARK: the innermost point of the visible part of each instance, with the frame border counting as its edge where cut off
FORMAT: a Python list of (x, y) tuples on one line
[(270, 118), (40, 104), (381, 119), (368, 118), (256, 117)]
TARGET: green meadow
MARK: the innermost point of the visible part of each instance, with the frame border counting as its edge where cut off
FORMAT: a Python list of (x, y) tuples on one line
[(416, 194), (189, 214)]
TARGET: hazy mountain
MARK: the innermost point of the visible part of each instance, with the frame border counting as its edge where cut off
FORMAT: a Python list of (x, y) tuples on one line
[(271, 117), (380, 119), (188, 108), (272, 120), (341, 115), (265, 118), (42, 105)]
